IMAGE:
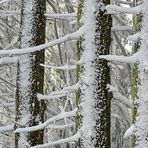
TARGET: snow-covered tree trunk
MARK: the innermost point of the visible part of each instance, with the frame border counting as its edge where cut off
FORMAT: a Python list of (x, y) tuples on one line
[(142, 110), (95, 98), (103, 97), (30, 79), (134, 71)]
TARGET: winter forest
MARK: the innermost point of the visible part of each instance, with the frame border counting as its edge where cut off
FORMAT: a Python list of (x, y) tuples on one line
[(73, 73)]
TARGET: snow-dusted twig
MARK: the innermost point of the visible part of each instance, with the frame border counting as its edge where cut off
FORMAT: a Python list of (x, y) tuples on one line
[(130, 131), (124, 59), (72, 36), (68, 16), (112, 9), (9, 13), (60, 93), (124, 2), (8, 60), (122, 28), (66, 140), (60, 126), (51, 96), (135, 37), (117, 96), (72, 88), (45, 124), (6, 128), (65, 67)]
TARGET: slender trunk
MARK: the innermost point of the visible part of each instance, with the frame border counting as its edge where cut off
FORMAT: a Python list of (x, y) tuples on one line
[(103, 98), (134, 72), (95, 98), (30, 78), (142, 109)]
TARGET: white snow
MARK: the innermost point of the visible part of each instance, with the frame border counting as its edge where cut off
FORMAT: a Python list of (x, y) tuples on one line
[(45, 124), (113, 9), (69, 139), (130, 131)]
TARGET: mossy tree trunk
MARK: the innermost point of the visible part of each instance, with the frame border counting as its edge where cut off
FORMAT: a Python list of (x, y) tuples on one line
[(30, 76), (103, 99), (79, 50), (134, 71), (95, 76)]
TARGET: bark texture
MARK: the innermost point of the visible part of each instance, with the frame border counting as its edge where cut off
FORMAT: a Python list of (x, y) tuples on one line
[(103, 98), (30, 78)]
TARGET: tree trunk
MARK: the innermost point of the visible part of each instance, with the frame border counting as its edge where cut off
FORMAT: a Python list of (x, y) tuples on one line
[(134, 72), (103, 97), (142, 109), (95, 98), (30, 78)]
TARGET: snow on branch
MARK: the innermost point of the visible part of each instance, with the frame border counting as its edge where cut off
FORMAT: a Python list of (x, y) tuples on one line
[(9, 13), (123, 59), (45, 124), (112, 9), (65, 67), (117, 96), (50, 96), (72, 88), (129, 132), (71, 36), (8, 60), (60, 93), (121, 28), (66, 140), (135, 37), (124, 2), (68, 16), (6, 128), (59, 126)]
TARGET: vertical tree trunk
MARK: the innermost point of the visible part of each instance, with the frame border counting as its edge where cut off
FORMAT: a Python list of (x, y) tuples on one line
[(79, 51), (95, 98), (103, 97), (142, 109), (30, 79), (134, 72)]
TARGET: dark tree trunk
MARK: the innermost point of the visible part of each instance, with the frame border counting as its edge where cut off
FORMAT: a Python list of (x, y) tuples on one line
[(30, 78), (103, 100)]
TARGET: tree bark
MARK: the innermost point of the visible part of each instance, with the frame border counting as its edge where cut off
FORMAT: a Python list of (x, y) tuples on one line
[(103, 98), (30, 76), (95, 98)]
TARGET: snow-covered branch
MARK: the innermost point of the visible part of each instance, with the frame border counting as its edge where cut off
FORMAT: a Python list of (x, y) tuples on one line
[(65, 67), (60, 126), (135, 37), (124, 59), (112, 9), (45, 124), (72, 36), (69, 139), (68, 16), (117, 96), (130, 131), (8, 60), (6, 128), (60, 93), (9, 13), (122, 28), (124, 2)]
